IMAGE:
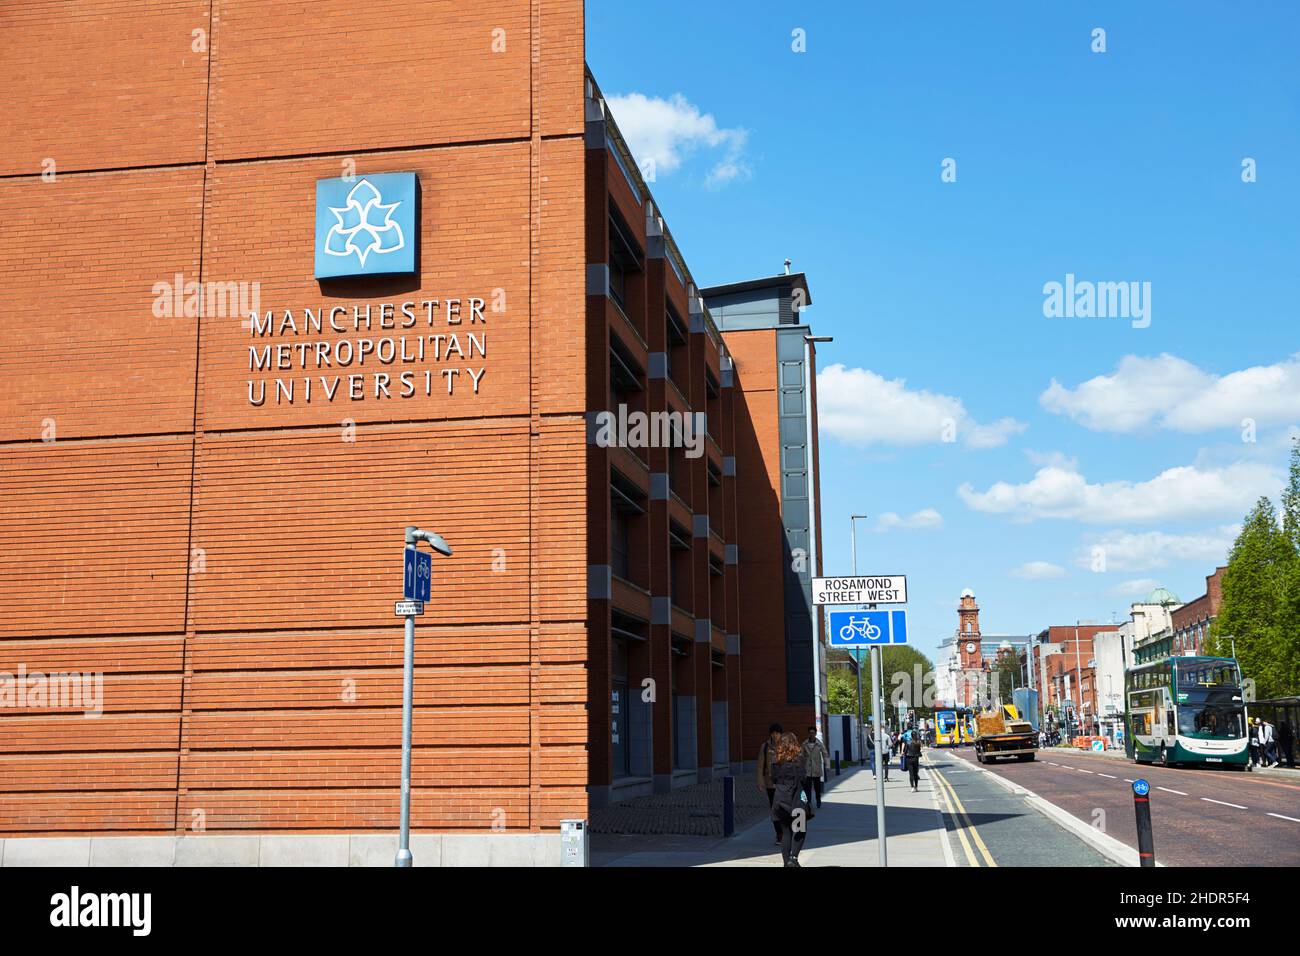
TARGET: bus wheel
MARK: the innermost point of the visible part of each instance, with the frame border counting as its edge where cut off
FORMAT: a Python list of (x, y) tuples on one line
[(1164, 757)]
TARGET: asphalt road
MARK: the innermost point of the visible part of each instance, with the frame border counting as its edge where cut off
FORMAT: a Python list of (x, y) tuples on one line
[(1209, 817), (988, 825)]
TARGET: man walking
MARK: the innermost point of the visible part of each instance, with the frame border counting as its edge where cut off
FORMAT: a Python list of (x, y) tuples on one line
[(1268, 744), (913, 755), (817, 760), (1253, 743), (766, 760)]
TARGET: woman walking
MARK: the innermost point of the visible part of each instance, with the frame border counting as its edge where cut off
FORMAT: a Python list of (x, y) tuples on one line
[(791, 811)]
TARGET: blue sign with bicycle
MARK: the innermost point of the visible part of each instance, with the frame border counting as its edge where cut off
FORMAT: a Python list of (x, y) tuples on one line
[(865, 628), (417, 575)]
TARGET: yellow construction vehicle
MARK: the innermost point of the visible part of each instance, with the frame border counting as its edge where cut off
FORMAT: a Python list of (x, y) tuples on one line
[(1004, 733)]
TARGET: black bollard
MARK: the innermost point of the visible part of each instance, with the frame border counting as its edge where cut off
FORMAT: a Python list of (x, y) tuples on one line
[(1142, 808), (728, 806), (837, 763)]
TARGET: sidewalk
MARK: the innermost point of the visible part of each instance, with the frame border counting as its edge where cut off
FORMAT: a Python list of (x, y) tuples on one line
[(841, 833)]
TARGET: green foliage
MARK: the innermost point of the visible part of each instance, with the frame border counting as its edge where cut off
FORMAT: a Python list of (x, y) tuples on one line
[(842, 691), (1261, 594)]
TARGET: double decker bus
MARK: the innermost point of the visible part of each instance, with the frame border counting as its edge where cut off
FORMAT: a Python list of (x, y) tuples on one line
[(954, 727), (1186, 710)]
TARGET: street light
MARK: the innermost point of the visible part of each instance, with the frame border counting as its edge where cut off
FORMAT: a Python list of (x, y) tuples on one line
[(404, 859), (853, 537)]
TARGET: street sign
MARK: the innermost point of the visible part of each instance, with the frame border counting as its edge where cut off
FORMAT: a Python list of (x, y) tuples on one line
[(1099, 745), (865, 628), (861, 589), (417, 574), (1141, 787), (408, 608)]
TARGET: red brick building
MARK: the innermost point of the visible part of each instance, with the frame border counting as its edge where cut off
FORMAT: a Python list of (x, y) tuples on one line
[(1070, 670), (227, 567), (1191, 622)]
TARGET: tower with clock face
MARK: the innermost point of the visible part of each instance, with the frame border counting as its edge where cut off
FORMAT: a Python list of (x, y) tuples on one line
[(968, 645)]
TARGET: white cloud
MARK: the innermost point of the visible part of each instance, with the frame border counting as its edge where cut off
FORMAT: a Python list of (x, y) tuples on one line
[(925, 518), (1061, 491), (1148, 550), (858, 406), (1173, 393), (662, 132), (1038, 571)]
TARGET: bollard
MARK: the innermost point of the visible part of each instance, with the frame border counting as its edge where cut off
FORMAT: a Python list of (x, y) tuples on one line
[(1142, 807), (837, 763), (728, 806)]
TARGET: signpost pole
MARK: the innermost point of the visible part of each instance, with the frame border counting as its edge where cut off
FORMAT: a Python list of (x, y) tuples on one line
[(404, 857), (417, 575), (881, 756)]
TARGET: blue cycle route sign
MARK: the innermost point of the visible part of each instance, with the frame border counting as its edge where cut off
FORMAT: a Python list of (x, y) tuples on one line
[(1141, 787), (417, 575), (865, 628)]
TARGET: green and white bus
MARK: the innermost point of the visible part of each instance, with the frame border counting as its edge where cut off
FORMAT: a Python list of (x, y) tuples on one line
[(1186, 710)]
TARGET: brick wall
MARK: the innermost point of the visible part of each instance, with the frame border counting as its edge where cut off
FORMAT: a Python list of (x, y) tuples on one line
[(228, 568)]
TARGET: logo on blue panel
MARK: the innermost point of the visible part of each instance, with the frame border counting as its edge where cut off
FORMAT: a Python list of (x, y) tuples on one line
[(366, 226)]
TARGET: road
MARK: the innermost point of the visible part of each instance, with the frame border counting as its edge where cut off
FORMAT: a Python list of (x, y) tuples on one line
[(1210, 817), (988, 825)]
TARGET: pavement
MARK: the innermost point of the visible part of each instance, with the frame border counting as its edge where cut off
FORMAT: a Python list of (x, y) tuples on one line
[(1200, 816), (841, 833)]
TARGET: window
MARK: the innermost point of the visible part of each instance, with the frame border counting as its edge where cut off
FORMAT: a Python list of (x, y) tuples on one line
[(624, 259), (679, 565), (626, 508), (618, 547), (675, 351)]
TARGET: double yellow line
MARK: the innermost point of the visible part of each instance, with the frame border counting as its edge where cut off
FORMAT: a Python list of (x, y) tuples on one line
[(961, 819)]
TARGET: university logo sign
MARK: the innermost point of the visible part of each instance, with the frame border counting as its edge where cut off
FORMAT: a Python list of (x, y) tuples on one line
[(366, 225)]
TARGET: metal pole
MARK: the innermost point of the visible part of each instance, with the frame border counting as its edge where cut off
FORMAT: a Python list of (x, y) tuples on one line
[(1078, 677), (404, 857), (880, 754), (853, 537)]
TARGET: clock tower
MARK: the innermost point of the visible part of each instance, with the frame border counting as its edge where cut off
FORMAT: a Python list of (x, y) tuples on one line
[(970, 656)]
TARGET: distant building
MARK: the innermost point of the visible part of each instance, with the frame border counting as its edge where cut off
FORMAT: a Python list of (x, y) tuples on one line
[(964, 661)]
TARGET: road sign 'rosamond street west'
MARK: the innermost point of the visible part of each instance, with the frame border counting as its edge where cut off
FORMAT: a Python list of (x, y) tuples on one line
[(861, 589)]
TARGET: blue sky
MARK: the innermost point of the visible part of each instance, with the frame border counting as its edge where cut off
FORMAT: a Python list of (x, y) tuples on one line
[(1115, 166)]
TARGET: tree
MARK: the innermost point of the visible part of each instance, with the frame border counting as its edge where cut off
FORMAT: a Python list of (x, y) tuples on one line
[(1007, 673), (1258, 614)]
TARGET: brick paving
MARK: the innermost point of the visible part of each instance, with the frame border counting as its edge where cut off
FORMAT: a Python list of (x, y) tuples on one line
[(693, 811)]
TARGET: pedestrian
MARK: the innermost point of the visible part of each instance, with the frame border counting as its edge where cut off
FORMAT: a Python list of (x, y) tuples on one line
[(790, 811), (1268, 744), (817, 759), (1253, 742), (765, 763), (871, 751), (1286, 742), (913, 756)]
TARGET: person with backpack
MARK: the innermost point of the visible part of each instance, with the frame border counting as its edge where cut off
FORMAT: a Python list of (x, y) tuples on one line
[(913, 755)]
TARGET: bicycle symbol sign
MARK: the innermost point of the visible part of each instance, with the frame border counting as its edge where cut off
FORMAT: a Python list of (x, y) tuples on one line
[(864, 628)]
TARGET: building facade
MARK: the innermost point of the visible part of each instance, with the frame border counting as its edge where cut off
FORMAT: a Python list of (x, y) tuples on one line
[(965, 662), (1191, 623), (210, 446)]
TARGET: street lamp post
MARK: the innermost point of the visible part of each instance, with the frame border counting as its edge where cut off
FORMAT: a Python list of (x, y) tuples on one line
[(404, 859), (857, 654)]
